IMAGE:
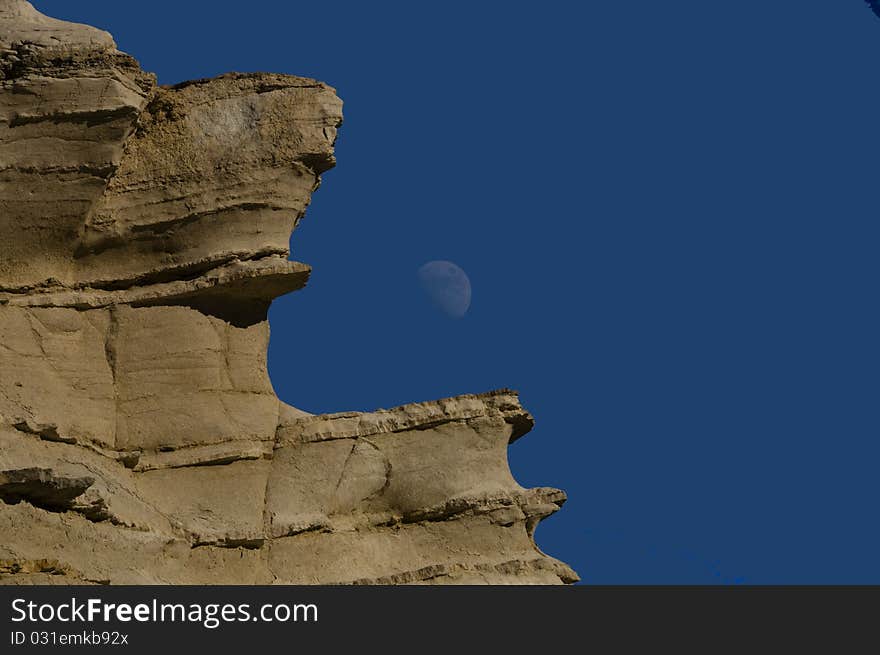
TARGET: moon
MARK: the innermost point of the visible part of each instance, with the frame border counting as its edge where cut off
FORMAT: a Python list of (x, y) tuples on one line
[(447, 286)]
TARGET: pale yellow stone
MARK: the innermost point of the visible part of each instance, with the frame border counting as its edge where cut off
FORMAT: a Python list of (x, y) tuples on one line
[(143, 234)]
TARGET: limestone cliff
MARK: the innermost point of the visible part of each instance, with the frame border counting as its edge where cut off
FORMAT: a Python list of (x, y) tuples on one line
[(143, 233)]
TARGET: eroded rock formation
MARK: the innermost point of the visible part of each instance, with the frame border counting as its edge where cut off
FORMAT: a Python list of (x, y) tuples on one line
[(143, 233)]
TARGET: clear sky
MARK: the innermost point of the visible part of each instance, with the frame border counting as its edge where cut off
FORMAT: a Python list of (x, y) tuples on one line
[(669, 215)]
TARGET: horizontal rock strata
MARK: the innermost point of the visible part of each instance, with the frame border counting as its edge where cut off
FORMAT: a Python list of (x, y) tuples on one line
[(144, 232)]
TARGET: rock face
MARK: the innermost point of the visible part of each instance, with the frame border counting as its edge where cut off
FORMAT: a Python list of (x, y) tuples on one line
[(143, 233)]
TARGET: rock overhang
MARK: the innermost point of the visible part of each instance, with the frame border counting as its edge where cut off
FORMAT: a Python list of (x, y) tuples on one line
[(144, 230)]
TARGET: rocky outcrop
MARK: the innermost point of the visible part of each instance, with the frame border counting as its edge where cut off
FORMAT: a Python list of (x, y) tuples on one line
[(143, 234)]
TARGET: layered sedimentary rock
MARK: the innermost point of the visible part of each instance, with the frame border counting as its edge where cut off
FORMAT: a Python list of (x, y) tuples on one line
[(143, 234)]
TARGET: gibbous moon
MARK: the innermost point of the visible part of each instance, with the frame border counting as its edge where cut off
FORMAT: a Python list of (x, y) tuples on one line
[(447, 286)]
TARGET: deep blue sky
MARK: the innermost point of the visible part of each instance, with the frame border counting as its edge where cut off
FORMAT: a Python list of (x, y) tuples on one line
[(669, 214)]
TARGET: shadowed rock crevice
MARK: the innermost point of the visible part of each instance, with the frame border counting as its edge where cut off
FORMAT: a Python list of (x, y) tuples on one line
[(144, 233), (41, 488)]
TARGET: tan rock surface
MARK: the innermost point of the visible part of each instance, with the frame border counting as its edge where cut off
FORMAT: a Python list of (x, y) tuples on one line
[(143, 234)]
